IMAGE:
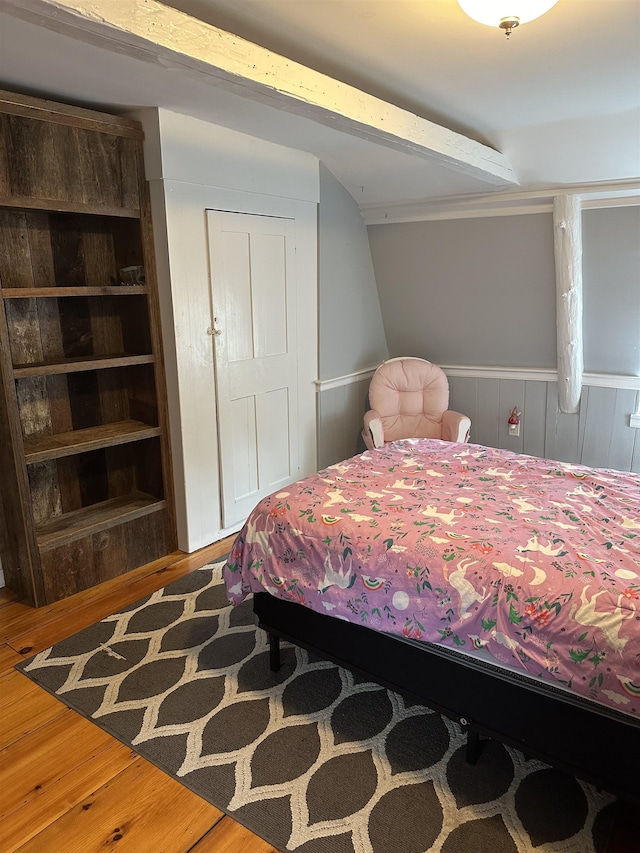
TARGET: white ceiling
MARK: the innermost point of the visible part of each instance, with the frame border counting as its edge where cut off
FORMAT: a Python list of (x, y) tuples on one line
[(560, 99)]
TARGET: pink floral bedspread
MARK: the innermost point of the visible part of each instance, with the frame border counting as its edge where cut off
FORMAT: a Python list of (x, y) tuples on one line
[(537, 562)]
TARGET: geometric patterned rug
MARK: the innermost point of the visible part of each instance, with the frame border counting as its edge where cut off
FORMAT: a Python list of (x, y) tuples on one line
[(312, 758)]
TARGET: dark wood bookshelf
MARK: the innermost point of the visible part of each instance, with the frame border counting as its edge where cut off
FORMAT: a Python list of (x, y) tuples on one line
[(50, 292), (91, 520), (40, 448), (75, 365), (58, 206), (86, 485)]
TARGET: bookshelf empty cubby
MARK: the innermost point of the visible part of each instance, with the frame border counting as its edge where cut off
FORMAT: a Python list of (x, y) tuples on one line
[(86, 490)]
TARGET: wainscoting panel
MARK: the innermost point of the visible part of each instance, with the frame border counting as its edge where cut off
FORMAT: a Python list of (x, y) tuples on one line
[(606, 433), (484, 430), (463, 397), (598, 435), (635, 461), (535, 405), (562, 437), (623, 438), (340, 414), (512, 394), (599, 405)]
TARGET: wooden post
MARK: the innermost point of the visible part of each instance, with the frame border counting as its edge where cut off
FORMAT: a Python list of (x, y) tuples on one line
[(567, 226)]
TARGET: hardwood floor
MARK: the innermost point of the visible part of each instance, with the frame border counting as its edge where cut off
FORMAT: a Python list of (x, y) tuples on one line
[(68, 787), (65, 785)]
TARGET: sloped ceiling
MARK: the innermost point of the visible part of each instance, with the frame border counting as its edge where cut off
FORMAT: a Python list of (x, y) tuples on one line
[(559, 101)]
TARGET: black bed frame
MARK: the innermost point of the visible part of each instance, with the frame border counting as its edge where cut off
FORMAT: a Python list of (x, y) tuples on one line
[(600, 747)]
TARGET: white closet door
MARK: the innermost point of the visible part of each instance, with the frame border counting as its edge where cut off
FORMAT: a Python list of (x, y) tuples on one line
[(253, 285)]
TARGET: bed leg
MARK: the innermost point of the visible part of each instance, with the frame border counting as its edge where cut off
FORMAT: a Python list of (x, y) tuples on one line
[(274, 653), (473, 746)]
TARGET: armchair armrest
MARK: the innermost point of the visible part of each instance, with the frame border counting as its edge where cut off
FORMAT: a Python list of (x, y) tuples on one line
[(373, 432), (455, 427)]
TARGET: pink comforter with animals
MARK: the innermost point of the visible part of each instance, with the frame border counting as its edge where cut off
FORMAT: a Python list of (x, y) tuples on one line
[(537, 562)]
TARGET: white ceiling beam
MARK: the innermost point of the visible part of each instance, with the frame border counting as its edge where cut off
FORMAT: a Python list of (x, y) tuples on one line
[(146, 29)]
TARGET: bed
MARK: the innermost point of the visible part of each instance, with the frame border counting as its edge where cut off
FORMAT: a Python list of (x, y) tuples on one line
[(500, 589)]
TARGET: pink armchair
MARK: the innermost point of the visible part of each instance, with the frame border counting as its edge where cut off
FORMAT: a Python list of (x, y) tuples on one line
[(409, 398)]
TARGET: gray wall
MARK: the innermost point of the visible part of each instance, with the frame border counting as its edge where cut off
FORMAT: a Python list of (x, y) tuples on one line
[(611, 272), (469, 291), (351, 336), (351, 331), (481, 292)]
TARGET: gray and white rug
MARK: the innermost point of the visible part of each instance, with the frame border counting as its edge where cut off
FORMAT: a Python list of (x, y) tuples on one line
[(312, 758)]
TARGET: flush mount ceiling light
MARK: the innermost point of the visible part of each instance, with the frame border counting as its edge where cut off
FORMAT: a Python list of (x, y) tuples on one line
[(506, 14)]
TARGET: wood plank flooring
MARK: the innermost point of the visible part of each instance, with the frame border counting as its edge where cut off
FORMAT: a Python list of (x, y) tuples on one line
[(68, 787), (65, 785)]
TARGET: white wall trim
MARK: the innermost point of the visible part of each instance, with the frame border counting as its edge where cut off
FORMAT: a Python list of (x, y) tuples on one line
[(348, 379), (534, 374), (429, 214), (599, 380), (613, 201), (617, 194), (605, 380)]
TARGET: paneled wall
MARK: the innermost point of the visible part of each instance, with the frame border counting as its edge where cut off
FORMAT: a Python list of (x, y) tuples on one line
[(340, 412), (599, 435)]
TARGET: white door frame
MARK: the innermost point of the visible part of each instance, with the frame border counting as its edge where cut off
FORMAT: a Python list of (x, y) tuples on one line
[(186, 316)]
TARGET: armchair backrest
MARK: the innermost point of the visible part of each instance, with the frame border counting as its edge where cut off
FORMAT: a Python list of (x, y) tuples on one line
[(411, 395)]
